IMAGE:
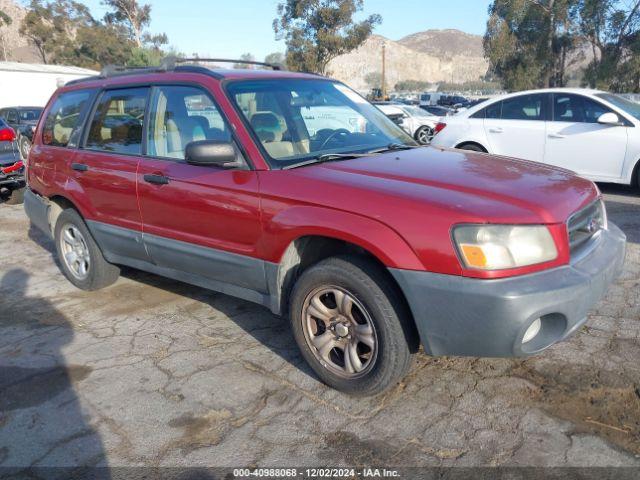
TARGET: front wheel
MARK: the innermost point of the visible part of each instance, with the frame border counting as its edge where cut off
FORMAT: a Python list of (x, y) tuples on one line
[(25, 147), (351, 325)]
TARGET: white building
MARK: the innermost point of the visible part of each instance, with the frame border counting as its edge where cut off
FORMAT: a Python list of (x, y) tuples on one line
[(28, 84)]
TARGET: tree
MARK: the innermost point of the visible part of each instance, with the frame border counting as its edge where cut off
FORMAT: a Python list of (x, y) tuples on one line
[(528, 42), (276, 58), (317, 31), (246, 57), (612, 29), (135, 17), (5, 21), (50, 27)]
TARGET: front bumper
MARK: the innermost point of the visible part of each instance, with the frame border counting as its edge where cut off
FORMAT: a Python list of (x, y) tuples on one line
[(488, 318)]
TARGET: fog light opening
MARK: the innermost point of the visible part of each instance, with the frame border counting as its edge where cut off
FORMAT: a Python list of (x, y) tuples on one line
[(532, 331)]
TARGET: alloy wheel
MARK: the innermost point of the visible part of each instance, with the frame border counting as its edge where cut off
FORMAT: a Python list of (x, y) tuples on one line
[(339, 331)]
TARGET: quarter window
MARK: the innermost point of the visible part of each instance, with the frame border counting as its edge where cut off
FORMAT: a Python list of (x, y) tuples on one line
[(181, 115), (577, 109), (118, 122), (63, 120)]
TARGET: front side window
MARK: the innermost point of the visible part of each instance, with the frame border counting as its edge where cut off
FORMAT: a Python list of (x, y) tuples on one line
[(577, 109), (300, 120), (180, 115), (524, 107), (117, 122), (63, 119)]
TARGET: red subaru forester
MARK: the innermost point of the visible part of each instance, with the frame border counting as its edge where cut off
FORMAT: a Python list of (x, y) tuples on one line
[(292, 191)]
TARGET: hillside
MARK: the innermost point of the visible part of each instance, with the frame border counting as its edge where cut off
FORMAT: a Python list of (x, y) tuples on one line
[(14, 47), (433, 56)]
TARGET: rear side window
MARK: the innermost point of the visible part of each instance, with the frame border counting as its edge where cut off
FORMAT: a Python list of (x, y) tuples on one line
[(492, 111), (64, 118), (524, 107), (116, 125)]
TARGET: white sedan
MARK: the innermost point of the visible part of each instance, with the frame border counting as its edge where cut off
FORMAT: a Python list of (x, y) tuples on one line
[(415, 121), (594, 133)]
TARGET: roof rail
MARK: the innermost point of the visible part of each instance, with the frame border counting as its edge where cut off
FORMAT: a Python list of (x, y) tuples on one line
[(115, 70), (170, 63)]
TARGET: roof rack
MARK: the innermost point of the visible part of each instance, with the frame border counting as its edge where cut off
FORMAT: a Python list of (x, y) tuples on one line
[(170, 63)]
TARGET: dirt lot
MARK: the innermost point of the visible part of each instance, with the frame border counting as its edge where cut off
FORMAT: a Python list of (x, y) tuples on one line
[(154, 372)]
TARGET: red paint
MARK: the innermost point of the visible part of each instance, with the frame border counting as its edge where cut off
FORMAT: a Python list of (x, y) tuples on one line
[(399, 206)]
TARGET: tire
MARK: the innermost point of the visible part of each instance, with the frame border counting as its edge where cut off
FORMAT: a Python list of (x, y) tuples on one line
[(424, 135), (98, 273), (378, 317), (24, 146), (472, 147), (16, 197)]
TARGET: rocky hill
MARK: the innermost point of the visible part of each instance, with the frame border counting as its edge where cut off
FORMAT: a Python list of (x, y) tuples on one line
[(433, 56), (13, 47)]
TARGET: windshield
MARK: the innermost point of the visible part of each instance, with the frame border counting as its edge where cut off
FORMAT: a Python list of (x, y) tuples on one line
[(31, 114), (628, 106), (300, 120)]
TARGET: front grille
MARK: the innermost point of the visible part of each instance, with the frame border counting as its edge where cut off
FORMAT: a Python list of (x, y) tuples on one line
[(585, 224)]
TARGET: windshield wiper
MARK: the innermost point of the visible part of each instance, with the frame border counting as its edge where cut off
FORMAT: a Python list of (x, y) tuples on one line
[(395, 146), (329, 157)]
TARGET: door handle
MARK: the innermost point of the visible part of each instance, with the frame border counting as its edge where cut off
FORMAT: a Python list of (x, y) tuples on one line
[(496, 130), (156, 179), (79, 167), (556, 135)]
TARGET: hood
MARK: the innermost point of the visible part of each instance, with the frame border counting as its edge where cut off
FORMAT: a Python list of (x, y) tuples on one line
[(477, 187)]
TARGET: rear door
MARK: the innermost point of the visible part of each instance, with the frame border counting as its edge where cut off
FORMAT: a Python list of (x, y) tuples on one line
[(105, 170), (198, 220), (575, 139), (516, 126)]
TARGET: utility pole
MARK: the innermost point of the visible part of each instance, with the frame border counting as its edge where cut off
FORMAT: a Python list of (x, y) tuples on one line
[(384, 71)]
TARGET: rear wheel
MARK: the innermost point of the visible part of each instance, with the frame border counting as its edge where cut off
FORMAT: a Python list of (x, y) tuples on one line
[(347, 318), (424, 135), (80, 257), (474, 147)]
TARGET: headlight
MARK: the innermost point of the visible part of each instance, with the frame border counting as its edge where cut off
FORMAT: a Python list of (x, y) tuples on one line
[(498, 247)]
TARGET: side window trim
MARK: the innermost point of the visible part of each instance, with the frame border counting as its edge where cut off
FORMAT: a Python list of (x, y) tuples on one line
[(78, 129), (89, 118), (234, 138)]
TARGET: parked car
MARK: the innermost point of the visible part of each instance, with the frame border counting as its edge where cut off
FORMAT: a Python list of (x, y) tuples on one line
[(23, 120), (593, 133), (369, 243), (437, 111), (452, 101), (12, 180), (415, 121)]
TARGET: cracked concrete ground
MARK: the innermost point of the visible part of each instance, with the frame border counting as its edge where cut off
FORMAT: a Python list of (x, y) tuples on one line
[(151, 372)]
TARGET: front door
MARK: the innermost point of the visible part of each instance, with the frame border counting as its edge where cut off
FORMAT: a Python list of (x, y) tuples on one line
[(198, 220), (576, 141)]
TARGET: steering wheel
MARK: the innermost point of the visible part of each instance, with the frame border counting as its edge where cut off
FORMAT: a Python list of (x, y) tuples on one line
[(335, 133)]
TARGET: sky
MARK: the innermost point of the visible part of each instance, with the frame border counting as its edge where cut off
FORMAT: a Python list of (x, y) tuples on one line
[(229, 28)]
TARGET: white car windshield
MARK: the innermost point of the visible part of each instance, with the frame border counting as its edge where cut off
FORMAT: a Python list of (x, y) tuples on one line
[(298, 120), (628, 106), (416, 111)]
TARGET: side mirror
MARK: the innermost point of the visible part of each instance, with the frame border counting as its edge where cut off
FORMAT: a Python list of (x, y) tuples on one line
[(611, 119), (213, 153)]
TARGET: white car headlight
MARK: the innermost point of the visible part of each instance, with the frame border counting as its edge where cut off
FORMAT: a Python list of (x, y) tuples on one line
[(499, 247)]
